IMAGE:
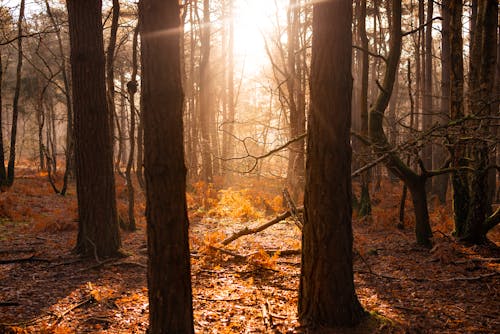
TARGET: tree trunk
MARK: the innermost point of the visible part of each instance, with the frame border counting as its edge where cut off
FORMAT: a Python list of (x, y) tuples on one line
[(169, 280), (365, 201), (69, 153), (296, 163), (427, 94), (205, 97), (441, 181), (98, 233), (326, 294), (484, 61), (15, 102), (3, 172), (110, 69), (379, 139), (132, 89)]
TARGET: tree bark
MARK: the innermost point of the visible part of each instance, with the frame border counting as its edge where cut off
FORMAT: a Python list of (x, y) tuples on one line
[(98, 232), (169, 280), (326, 294)]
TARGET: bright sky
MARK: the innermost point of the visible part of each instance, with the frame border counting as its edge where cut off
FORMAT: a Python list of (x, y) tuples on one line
[(252, 19)]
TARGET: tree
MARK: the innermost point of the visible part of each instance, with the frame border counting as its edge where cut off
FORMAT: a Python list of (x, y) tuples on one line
[(98, 232), (473, 217), (326, 293), (415, 182), (15, 102), (169, 280)]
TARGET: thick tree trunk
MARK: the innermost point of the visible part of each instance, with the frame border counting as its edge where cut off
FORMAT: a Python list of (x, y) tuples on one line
[(326, 294), (169, 280), (98, 232)]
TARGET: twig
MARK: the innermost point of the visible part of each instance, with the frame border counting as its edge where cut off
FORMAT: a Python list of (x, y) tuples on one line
[(473, 278), (267, 317)]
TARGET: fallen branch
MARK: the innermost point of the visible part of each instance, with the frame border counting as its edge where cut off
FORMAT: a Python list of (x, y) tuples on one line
[(73, 307), (473, 278), (15, 251), (31, 258), (247, 231), (286, 252)]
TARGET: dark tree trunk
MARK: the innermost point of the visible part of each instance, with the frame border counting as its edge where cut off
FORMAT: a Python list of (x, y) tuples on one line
[(484, 61), (110, 69), (98, 233), (15, 102), (326, 294), (132, 89), (169, 280), (427, 94), (441, 182), (458, 178), (3, 172), (365, 201)]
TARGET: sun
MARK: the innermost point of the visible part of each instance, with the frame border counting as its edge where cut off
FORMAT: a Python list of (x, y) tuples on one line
[(253, 19)]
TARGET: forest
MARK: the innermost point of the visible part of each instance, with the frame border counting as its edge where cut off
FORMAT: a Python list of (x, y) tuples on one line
[(249, 166)]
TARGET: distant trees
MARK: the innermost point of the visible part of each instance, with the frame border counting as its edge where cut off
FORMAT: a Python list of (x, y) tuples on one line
[(326, 293), (169, 280), (98, 233)]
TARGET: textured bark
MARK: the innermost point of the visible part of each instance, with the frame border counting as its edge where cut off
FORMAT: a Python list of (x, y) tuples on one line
[(15, 101), (169, 280), (98, 233), (326, 294)]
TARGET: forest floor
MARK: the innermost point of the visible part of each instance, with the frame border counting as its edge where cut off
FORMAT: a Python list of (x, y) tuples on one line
[(45, 288)]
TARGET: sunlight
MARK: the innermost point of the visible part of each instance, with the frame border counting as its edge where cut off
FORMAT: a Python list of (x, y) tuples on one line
[(252, 20)]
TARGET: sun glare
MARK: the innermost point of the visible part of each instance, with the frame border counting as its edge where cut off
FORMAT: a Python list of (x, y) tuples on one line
[(253, 19)]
